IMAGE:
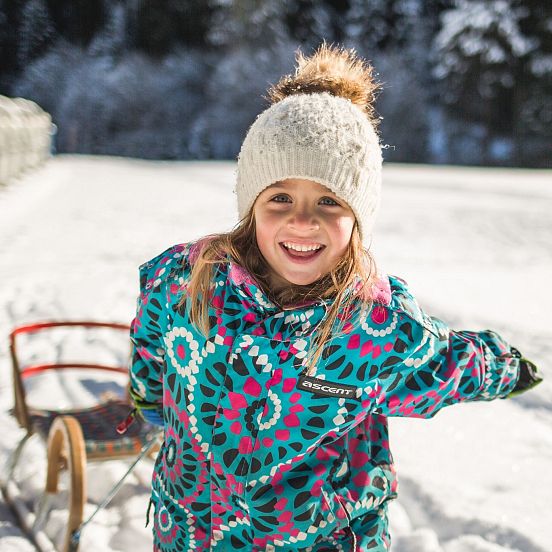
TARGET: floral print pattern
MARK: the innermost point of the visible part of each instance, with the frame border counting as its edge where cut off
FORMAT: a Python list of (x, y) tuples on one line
[(257, 456)]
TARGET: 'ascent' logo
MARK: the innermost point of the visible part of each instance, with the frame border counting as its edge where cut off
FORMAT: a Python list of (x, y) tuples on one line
[(326, 388)]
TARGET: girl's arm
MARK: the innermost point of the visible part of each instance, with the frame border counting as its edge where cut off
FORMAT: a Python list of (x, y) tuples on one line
[(148, 354), (432, 366)]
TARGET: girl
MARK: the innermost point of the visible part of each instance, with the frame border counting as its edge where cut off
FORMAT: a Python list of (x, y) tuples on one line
[(273, 354)]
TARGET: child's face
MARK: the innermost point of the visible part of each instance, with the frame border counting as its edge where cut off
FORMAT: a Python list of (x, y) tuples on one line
[(299, 214)]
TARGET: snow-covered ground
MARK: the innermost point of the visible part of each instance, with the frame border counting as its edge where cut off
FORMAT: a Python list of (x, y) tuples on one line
[(474, 244)]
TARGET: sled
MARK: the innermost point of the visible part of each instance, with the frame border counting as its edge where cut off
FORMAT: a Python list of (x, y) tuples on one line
[(72, 437)]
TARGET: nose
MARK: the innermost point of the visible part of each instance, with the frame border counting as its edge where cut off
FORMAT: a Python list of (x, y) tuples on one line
[(303, 219)]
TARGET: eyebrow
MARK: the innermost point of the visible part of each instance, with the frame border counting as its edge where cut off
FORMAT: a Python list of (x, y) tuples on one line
[(281, 186)]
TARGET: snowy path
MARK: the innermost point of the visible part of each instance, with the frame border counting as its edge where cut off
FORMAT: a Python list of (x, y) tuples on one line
[(474, 244)]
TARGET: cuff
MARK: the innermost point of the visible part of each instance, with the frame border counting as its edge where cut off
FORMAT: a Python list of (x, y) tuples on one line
[(529, 375)]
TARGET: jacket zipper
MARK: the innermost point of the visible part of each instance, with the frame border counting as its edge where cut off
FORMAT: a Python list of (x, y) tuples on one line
[(353, 536)]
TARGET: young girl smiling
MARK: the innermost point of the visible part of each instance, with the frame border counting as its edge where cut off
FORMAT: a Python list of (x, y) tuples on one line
[(273, 354)]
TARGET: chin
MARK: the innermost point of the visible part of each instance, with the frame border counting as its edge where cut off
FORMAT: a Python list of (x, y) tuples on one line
[(301, 280)]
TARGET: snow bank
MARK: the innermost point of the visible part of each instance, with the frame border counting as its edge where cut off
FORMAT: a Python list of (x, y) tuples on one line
[(474, 245)]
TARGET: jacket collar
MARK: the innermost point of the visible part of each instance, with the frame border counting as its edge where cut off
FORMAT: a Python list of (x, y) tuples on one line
[(250, 289), (248, 286)]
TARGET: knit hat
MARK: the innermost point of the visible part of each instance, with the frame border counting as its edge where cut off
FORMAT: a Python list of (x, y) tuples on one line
[(316, 136)]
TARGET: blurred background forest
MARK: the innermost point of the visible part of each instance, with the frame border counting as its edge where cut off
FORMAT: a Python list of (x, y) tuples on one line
[(464, 81)]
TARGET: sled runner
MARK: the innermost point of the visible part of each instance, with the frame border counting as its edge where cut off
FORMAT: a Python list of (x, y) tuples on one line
[(73, 437)]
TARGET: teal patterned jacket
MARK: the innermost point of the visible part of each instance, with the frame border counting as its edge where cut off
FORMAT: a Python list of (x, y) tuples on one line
[(259, 456)]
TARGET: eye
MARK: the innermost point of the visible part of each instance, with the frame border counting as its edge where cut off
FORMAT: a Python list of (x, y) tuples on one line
[(280, 198), (328, 201)]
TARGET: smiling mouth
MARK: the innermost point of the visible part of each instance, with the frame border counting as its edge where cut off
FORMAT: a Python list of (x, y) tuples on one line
[(302, 252)]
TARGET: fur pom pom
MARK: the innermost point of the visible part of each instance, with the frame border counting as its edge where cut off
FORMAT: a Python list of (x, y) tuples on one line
[(335, 70)]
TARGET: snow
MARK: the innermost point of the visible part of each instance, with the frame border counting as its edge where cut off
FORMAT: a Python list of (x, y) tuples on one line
[(474, 244), (541, 64)]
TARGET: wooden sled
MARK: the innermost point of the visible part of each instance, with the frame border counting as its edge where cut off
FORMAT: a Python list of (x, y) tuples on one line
[(73, 438)]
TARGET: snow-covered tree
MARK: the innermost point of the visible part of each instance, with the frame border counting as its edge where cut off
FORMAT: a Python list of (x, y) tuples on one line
[(112, 40), (381, 24), (479, 46), (257, 23), (234, 96), (403, 106), (489, 57), (463, 80), (137, 106), (533, 121), (393, 36), (538, 25), (254, 49), (310, 22), (8, 44), (78, 21), (35, 31), (156, 27), (44, 79)]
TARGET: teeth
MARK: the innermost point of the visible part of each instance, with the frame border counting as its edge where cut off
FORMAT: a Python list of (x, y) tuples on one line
[(297, 247)]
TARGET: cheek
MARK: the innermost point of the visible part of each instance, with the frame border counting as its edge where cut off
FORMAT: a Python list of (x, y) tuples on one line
[(262, 241), (265, 229), (342, 230)]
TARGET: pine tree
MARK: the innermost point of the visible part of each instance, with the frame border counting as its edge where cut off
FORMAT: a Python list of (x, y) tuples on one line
[(486, 54), (8, 44), (36, 31), (310, 22), (365, 24), (533, 92), (393, 36), (112, 39), (157, 27), (78, 21), (480, 40), (256, 23), (381, 24)]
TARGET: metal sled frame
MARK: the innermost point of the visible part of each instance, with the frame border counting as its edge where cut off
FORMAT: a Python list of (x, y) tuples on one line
[(73, 438)]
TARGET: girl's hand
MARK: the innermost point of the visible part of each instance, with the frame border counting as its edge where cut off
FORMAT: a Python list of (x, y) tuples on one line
[(529, 376), (150, 412)]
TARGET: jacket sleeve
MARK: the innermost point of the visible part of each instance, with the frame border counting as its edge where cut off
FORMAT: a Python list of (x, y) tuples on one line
[(146, 335), (431, 366)]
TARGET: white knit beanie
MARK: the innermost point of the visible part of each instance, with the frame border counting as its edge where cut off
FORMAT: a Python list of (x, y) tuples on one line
[(318, 137)]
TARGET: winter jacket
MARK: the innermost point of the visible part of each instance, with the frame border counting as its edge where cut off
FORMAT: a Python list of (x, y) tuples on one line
[(256, 456)]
